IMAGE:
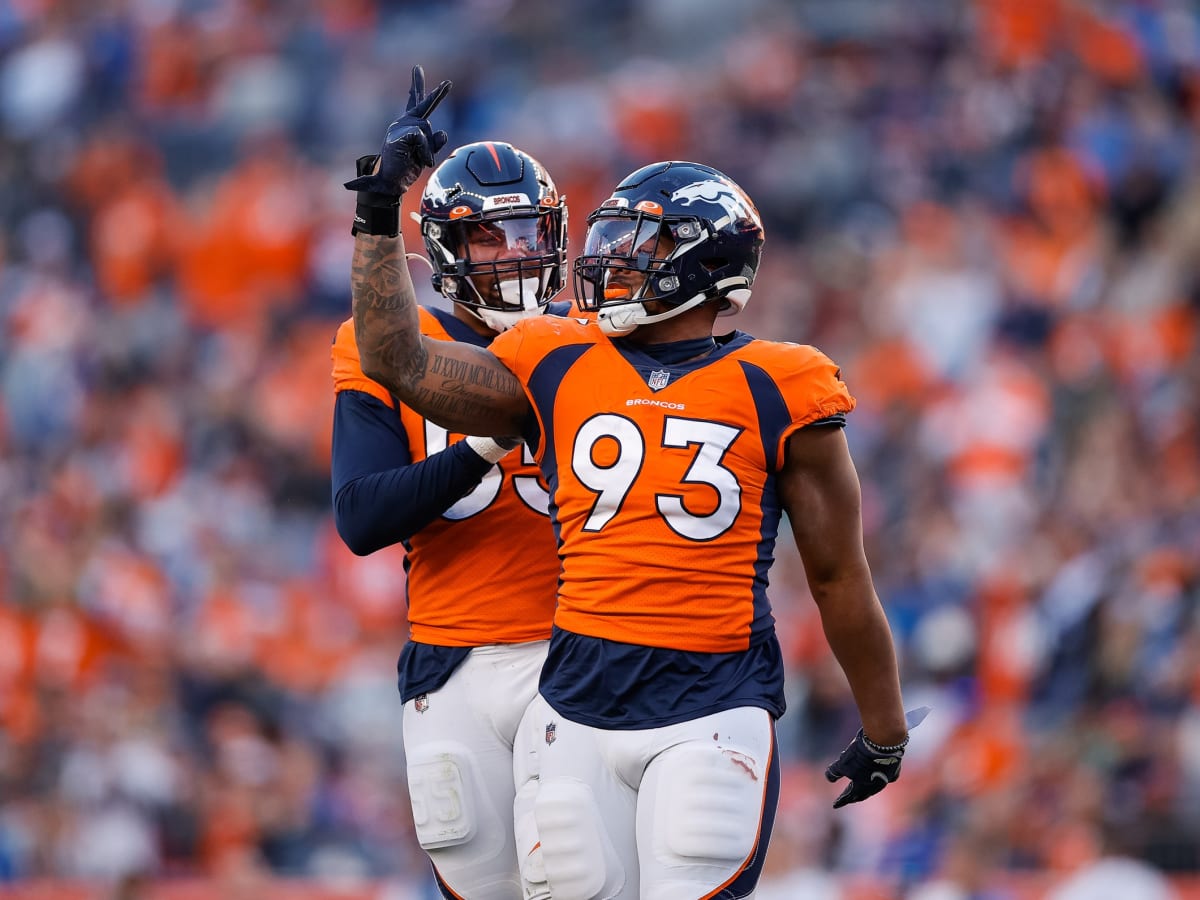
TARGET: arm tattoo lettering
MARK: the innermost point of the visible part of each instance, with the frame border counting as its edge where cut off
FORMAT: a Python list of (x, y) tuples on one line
[(473, 396)]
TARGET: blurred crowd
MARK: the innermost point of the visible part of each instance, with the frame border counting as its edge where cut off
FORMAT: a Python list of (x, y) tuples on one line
[(986, 211)]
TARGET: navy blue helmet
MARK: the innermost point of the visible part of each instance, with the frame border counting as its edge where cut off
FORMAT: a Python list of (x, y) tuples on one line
[(679, 233), (495, 230)]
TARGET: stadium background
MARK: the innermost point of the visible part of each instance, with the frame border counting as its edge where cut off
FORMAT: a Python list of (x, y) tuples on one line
[(987, 211)]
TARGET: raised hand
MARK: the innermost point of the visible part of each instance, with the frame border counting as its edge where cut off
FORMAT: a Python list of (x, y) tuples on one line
[(410, 144)]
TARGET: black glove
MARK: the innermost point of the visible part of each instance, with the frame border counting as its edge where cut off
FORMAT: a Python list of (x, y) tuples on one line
[(410, 144), (869, 766)]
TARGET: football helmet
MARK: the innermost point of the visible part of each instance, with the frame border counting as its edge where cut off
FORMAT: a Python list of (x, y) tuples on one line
[(495, 230), (679, 233)]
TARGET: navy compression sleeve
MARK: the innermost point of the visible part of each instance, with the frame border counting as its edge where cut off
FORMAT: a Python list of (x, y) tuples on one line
[(380, 496)]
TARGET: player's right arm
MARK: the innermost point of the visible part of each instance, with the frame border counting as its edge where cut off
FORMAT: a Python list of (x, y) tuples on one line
[(461, 387), (820, 490)]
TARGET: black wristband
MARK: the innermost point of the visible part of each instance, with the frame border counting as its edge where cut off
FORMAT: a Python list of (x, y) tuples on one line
[(376, 213), (370, 218)]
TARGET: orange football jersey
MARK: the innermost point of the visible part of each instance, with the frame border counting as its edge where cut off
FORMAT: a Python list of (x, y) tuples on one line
[(663, 476), (486, 570)]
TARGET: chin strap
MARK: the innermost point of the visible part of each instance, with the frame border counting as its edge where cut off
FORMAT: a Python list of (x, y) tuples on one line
[(622, 319), (521, 295), (500, 320)]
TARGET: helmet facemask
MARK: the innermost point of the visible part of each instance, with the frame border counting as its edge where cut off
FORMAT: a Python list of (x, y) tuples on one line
[(495, 231), (630, 258), (504, 267)]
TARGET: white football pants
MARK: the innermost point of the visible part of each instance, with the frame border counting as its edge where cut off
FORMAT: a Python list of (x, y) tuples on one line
[(674, 813), (466, 794)]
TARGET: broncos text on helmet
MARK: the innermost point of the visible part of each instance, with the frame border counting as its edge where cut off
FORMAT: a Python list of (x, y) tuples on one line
[(495, 230), (678, 233)]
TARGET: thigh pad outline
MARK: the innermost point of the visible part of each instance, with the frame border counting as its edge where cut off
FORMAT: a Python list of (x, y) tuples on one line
[(709, 803), (441, 788), (579, 858)]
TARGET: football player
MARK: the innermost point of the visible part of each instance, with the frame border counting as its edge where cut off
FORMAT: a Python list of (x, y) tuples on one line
[(472, 515), (671, 455)]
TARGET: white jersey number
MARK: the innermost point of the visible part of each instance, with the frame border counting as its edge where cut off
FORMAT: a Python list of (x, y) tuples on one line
[(485, 493), (625, 457)]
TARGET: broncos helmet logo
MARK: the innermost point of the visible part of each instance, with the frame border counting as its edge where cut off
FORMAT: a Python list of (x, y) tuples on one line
[(437, 193), (736, 204)]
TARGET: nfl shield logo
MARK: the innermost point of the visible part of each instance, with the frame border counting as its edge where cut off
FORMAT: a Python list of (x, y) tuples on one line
[(658, 379), (550, 729), (421, 702)]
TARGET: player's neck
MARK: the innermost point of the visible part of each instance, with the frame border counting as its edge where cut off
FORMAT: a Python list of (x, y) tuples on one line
[(678, 352)]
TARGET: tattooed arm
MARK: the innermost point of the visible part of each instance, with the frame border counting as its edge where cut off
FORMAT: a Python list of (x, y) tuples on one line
[(456, 385), (459, 386)]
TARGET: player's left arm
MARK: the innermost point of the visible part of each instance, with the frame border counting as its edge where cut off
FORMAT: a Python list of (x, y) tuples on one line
[(820, 490), (380, 496)]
